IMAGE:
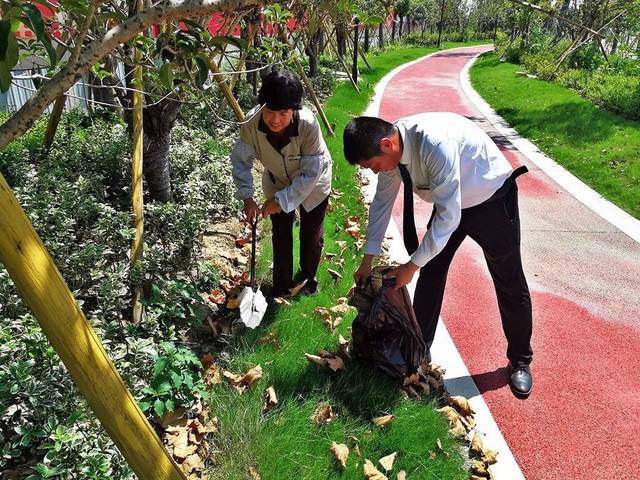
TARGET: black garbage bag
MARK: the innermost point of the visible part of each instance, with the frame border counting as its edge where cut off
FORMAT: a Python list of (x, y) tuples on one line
[(385, 334)]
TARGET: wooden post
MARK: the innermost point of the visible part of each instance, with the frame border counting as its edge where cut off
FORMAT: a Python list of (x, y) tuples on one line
[(354, 67), (441, 24), (137, 202), (226, 91), (54, 120), (344, 65), (44, 291), (314, 98)]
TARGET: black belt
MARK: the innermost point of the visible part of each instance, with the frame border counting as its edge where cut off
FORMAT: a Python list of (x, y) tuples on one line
[(507, 185)]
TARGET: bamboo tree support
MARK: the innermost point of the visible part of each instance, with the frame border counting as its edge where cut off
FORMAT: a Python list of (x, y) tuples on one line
[(136, 188), (360, 51), (342, 62), (137, 157), (314, 98), (54, 120), (226, 91), (44, 291)]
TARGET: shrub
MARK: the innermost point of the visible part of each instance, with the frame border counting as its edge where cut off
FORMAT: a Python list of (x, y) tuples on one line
[(541, 64)]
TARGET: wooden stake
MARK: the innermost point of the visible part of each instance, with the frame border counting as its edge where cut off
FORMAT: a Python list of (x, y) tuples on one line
[(314, 98), (44, 291), (54, 120), (226, 91)]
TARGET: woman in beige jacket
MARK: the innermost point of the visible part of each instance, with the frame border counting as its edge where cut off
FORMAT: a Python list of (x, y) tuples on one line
[(286, 138)]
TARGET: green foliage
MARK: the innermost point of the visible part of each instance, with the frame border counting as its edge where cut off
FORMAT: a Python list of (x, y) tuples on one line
[(77, 197), (176, 381)]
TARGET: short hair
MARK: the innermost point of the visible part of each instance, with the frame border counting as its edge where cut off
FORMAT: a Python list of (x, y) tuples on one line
[(361, 138), (281, 91)]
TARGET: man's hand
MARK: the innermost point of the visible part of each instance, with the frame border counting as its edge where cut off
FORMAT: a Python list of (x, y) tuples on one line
[(364, 271), (270, 207), (251, 209), (403, 274)]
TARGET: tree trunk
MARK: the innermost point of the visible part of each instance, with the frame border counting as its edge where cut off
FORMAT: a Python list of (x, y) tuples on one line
[(341, 41), (312, 52), (393, 28), (381, 35), (159, 120), (366, 39)]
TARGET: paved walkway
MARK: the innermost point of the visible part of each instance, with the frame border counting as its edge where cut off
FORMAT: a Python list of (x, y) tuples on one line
[(581, 421)]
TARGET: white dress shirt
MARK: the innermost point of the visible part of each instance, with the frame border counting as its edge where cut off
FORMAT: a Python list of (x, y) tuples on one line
[(453, 164)]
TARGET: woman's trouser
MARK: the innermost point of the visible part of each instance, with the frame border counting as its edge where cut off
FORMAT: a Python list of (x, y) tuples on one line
[(311, 243)]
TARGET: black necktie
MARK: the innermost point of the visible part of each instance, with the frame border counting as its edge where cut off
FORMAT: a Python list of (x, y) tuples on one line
[(409, 234)]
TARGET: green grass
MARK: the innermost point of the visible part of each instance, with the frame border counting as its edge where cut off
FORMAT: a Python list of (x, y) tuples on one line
[(599, 147), (284, 444)]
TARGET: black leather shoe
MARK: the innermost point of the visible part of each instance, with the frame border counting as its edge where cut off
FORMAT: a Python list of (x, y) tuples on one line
[(520, 381)]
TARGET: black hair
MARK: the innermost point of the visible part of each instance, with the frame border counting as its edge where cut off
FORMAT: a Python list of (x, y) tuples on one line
[(361, 138), (281, 91)]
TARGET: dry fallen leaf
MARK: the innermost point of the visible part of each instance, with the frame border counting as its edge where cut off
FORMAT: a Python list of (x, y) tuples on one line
[(462, 405), (336, 275), (207, 360), (341, 452), (342, 306), (323, 414), (335, 363), (387, 462), (242, 382), (271, 400), (217, 296), (384, 420), (191, 463), (253, 473), (439, 445), (371, 472), (489, 456), (458, 430), (269, 339), (476, 445), (402, 475), (479, 468), (233, 303), (281, 301), (293, 291)]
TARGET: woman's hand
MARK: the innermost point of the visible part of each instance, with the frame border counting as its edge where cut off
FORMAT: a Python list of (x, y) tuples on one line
[(251, 210), (270, 207)]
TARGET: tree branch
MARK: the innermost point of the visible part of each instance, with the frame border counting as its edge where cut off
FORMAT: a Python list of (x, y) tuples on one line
[(24, 118)]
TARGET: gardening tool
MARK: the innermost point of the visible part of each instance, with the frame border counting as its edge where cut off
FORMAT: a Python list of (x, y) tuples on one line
[(252, 301)]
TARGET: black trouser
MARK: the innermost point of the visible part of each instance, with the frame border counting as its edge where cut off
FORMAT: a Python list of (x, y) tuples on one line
[(311, 243), (495, 226)]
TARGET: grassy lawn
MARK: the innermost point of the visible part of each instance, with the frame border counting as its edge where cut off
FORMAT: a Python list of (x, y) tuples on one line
[(600, 148), (284, 443)]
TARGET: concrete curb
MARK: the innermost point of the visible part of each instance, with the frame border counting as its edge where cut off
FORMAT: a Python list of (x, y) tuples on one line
[(458, 380), (576, 187)]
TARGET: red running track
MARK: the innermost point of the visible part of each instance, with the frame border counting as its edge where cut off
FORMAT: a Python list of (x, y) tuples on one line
[(582, 419)]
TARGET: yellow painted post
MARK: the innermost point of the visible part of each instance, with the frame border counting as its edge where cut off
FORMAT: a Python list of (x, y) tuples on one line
[(314, 98), (136, 187), (137, 202), (226, 91), (43, 289)]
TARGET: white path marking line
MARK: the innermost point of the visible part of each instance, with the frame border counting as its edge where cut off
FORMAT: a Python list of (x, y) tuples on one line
[(582, 192), (444, 352)]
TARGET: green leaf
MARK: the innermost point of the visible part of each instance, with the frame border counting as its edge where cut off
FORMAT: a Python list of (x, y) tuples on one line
[(192, 24), (5, 83), (160, 365), (5, 32), (166, 76), (12, 52), (203, 71), (375, 20), (222, 41), (176, 380), (158, 406), (170, 405), (34, 22), (164, 387), (144, 406)]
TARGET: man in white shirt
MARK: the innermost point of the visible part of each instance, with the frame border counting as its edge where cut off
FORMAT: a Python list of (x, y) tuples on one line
[(447, 160)]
